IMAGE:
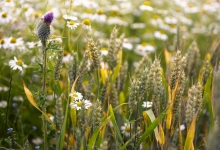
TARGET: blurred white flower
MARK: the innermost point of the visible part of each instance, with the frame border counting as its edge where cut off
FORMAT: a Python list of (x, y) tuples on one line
[(143, 48), (77, 104), (147, 104), (137, 25), (3, 104), (37, 141), (146, 6), (18, 98), (182, 127), (5, 17), (17, 64), (71, 18), (116, 21), (160, 35), (4, 88)]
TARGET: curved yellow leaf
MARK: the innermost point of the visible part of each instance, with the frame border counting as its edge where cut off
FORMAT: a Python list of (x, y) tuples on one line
[(30, 98), (161, 135)]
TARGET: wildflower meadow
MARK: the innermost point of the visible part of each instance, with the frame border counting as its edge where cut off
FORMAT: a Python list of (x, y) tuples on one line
[(109, 75)]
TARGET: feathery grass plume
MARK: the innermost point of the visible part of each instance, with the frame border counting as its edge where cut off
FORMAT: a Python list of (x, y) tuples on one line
[(206, 72), (154, 84), (88, 91), (83, 68), (42, 29), (141, 84), (113, 96), (112, 58), (27, 145), (215, 56), (77, 136), (192, 60), (178, 65), (178, 99), (103, 94), (132, 95), (194, 103), (104, 145), (122, 76), (59, 113), (142, 64), (214, 136), (73, 68), (95, 115), (58, 65), (95, 53), (82, 118)]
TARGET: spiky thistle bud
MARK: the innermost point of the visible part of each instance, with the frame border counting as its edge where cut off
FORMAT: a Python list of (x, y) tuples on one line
[(58, 65), (42, 29)]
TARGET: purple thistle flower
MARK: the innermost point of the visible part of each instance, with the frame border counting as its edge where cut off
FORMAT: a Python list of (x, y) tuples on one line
[(48, 18)]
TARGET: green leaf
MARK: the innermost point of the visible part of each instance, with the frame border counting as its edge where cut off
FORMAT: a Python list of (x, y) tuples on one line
[(152, 126), (115, 124), (95, 134)]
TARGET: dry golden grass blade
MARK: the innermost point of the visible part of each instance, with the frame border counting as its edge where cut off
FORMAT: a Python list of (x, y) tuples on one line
[(30, 98), (161, 135)]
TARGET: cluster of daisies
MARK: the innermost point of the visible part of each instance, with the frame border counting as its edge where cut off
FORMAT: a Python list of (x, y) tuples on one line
[(78, 101)]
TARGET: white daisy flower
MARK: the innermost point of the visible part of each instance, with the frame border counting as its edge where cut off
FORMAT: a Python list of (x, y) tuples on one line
[(104, 51), (160, 35), (147, 104), (3, 104), (126, 129), (76, 95), (182, 127), (37, 141), (87, 24), (143, 48), (18, 98), (72, 25), (5, 18), (68, 17), (146, 6), (78, 104), (17, 64)]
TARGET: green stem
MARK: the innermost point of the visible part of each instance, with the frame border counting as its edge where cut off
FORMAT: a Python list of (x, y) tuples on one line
[(44, 92)]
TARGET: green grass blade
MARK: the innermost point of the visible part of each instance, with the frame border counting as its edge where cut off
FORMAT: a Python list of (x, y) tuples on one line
[(115, 124), (92, 140), (151, 128)]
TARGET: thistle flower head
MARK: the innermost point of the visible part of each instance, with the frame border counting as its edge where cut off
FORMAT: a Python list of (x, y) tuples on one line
[(42, 29), (48, 18)]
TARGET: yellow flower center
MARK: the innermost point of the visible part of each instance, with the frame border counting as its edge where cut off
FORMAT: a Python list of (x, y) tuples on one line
[(114, 12), (173, 26), (8, 0), (79, 104), (75, 95), (127, 129), (4, 15), (147, 3), (156, 17), (87, 22), (71, 22), (37, 15), (104, 49), (25, 8), (2, 41), (65, 53), (19, 62), (99, 11), (13, 40), (162, 32), (144, 44)]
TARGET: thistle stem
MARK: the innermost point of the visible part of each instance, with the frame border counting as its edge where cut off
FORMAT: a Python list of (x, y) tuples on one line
[(44, 92)]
